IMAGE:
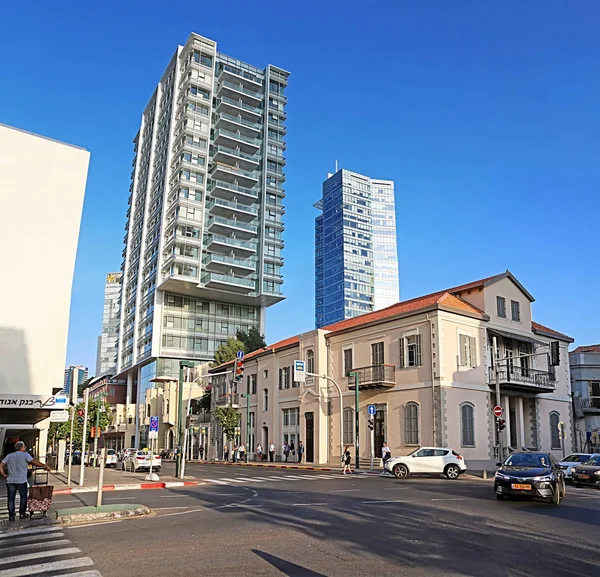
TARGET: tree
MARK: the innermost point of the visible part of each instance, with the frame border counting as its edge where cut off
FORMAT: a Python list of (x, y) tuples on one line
[(229, 419), (59, 431), (252, 339), (205, 399), (228, 351)]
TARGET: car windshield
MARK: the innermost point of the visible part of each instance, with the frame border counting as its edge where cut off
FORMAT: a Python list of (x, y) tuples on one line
[(526, 460), (576, 459), (594, 461), (111, 452), (141, 453)]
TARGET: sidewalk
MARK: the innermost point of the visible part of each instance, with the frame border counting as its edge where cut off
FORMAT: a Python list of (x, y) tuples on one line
[(114, 480)]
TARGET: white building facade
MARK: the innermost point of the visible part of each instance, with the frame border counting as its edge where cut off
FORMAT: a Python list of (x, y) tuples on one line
[(203, 237), (40, 217)]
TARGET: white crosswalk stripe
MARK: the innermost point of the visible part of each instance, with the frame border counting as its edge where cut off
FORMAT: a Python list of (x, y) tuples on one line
[(4, 506), (42, 551), (276, 478)]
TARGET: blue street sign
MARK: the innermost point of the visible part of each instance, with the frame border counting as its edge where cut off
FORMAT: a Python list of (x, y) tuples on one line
[(240, 354), (154, 424), (372, 410)]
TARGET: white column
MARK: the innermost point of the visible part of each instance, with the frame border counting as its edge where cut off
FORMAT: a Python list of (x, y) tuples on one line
[(506, 418), (520, 423), (129, 388)]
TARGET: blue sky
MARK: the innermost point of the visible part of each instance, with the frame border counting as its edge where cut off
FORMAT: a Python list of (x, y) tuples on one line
[(485, 114)]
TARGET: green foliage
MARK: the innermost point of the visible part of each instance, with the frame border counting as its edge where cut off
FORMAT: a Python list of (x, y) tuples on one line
[(228, 351), (252, 339), (59, 431), (205, 401), (229, 419)]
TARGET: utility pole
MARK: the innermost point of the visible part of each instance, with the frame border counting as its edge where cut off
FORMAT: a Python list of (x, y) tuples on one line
[(86, 394), (497, 378), (356, 382), (71, 445), (97, 435)]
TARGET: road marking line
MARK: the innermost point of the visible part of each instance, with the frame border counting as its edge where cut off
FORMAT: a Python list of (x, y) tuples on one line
[(94, 524), (31, 532), (216, 481), (344, 490), (92, 573), (234, 505), (457, 499), (249, 479), (269, 479), (28, 546), (30, 556), (383, 502), (308, 504), (167, 508), (119, 498), (395, 488), (32, 538), (227, 494), (46, 567), (172, 496), (172, 514), (234, 480)]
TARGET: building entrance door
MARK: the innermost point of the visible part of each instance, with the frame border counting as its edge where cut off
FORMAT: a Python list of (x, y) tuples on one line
[(310, 437), (379, 431)]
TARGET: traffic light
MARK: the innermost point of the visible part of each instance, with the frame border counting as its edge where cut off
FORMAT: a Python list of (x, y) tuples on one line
[(239, 370), (93, 432), (98, 431), (371, 424), (80, 412), (501, 424)]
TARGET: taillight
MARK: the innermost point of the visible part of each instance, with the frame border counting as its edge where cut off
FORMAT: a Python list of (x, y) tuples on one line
[(459, 457), (140, 458)]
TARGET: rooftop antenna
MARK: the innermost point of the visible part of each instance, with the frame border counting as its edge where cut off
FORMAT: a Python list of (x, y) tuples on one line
[(336, 165)]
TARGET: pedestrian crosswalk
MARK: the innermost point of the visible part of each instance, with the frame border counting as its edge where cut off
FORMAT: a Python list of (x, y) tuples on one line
[(42, 551), (240, 479), (4, 506)]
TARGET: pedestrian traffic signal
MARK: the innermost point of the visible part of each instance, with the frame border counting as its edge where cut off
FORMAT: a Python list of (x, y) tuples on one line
[(501, 424), (371, 424), (239, 370), (80, 412)]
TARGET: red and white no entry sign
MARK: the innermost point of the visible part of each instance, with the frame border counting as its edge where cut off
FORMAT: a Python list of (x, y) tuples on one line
[(498, 411)]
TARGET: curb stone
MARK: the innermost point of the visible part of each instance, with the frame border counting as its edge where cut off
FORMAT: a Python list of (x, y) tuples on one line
[(128, 487), (123, 513)]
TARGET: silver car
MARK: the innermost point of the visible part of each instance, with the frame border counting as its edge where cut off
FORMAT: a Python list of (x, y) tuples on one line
[(575, 459)]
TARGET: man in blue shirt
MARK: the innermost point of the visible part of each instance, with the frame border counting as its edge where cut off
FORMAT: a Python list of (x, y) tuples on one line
[(14, 469)]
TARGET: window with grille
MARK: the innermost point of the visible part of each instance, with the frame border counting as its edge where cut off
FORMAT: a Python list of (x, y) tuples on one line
[(515, 308), (411, 424), (410, 351), (348, 426), (310, 361), (554, 431), (595, 394), (466, 351), (467, 425), (347, 361), (377, 357), (501, 306)]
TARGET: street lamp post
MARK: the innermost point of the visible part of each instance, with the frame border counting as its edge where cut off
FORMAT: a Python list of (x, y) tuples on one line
[(180, 420), (100, 396), (356, 382)]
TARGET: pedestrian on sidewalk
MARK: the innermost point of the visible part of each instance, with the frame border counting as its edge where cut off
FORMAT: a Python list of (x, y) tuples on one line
[(271, 452), (14, 469), (242, 452), (201, 452), (286, 451), (347, 458), (236, 453), (259, 453), (225, 453), (385, 455), (300, 451), (292, 448)]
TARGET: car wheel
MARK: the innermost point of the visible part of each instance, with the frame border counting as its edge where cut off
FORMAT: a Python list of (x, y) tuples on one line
[(555, 500), (452, 472), (157, 469), (400, 471), (499, 496)]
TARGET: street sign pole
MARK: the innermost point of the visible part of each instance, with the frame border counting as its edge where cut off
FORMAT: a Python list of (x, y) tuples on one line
[(86, 394), (372, 411), (71, 446), (497, 378), (357, 456)]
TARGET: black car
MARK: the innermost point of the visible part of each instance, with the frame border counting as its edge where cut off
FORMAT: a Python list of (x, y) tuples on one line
[(587, 473), (530, 474)]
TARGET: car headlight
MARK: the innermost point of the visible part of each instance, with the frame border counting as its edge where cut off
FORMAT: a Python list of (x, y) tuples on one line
[(502, 476), (543, 478), (574, 470), (597, 473)]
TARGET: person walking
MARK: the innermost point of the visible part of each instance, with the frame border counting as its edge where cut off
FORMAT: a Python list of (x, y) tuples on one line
[(292, 448), (225, 453), (347, 458), (300, 451), (242, 452), (259, 454), (271, 452), (385, 455), (236, 453), (14, 469), (286, 451)]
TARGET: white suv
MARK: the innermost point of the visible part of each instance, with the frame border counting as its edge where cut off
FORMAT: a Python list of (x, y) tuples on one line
[(427, 461)]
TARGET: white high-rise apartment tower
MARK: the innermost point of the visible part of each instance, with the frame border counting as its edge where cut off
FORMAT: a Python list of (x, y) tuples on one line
[(203, 242), (106, 359)]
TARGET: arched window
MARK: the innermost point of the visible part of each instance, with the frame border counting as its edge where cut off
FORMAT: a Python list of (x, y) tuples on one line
[(310, 361), (411, 424), (554, 431), (467, 425), (348, 426)]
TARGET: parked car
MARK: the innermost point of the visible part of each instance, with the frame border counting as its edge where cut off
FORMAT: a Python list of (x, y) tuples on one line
[(427, 461), (530, 474), (576, 459), (111, 458), (141, 460), (587, 473)]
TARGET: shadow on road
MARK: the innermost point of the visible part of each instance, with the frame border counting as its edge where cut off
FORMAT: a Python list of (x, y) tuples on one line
[(286, 568)]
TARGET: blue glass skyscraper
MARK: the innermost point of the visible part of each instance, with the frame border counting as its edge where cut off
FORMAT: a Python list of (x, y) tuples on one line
[(356, 257)]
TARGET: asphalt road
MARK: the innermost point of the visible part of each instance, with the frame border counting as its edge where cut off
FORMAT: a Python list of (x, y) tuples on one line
[(257, 521)]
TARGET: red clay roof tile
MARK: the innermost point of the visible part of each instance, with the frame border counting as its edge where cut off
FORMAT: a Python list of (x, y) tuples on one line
[(586, 349)]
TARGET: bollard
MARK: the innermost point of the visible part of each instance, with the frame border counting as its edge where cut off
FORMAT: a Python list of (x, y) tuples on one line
[(101, 477), (484, 474)]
